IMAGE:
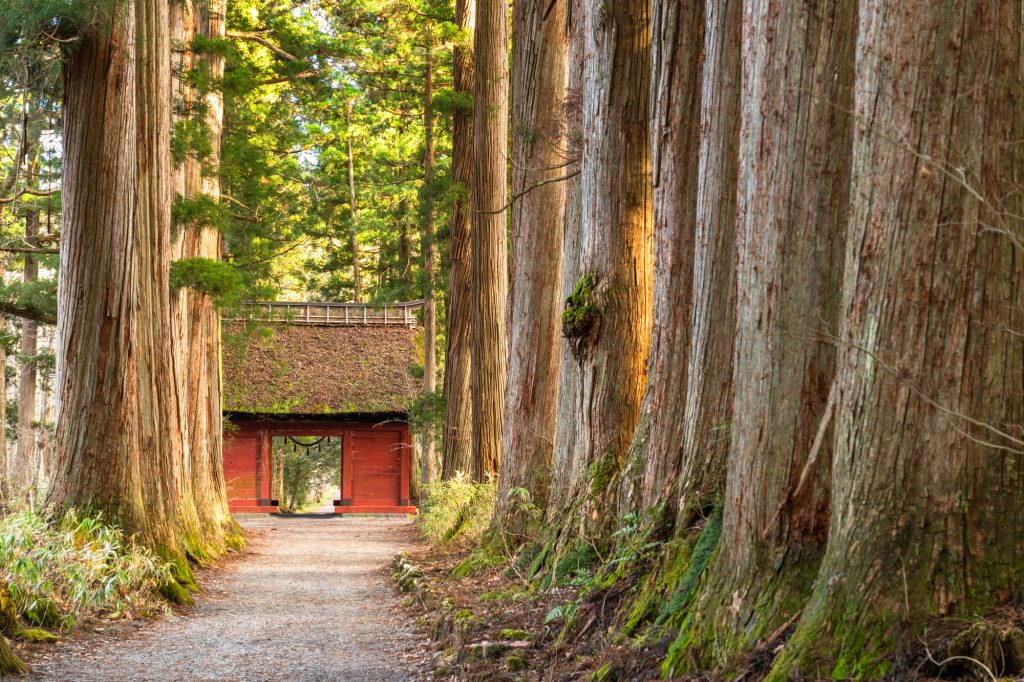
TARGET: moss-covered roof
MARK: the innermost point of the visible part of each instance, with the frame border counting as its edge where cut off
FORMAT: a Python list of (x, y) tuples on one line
[(308, 369)]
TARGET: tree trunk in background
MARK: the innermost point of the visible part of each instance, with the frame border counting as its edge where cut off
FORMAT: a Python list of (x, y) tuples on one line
[(25, 467), (118, 429), (458, 428), (404, 247), (709, 389), (795, 148), (677, 50), (430, 469), (204, 415), (357, 289), (610, 327), (569, 380), (538, 155), (927, 479), (489, 250)]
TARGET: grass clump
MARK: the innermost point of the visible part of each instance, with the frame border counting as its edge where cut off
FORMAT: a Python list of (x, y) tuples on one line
[(58, 571), (456, 511)]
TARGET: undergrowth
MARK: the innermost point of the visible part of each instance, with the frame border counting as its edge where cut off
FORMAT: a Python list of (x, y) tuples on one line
[(60, 571), (456, 511)]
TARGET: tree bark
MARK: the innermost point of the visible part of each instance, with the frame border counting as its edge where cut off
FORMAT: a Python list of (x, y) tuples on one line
[(489, 359), (430, 469), (709, 390), (25, 467), (538, 156), (612, 330), (458, 428), (795, 148), (677, 49), (569, 380), (119, 435), (927, 480)]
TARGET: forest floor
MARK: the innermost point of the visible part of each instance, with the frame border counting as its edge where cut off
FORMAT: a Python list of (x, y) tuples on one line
[(309, 599)]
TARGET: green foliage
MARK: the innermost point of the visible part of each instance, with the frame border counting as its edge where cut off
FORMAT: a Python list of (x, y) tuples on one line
[(59, 571), (580, 314), (220, 281), (308, 471), (427, 411), (449, 101), (456, 511)]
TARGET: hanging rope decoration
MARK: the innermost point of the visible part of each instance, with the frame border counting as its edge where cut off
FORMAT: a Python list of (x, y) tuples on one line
[(307, 446)]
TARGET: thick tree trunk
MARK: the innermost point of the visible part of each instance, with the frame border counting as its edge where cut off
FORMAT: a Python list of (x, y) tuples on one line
[(927, 479), (538, 156), (569, 380), (794, 188), (609, 318), (677, 48), (118, 428), (489, 250), (204, 414), (430, 468), (709, 390), (458, 428)]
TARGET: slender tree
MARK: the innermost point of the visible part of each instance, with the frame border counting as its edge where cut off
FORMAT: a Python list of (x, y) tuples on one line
[(430, 468), (357, 288), (539, 50), (458, 404), (927, 478), (489, 251)]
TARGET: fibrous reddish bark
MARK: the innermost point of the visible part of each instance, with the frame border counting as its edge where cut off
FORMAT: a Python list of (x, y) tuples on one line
[(927, 478), (677, 48), (795, 147), (457, 455), (709, 389), (489, 257), (538, 157), (569, 369), (119, 431)]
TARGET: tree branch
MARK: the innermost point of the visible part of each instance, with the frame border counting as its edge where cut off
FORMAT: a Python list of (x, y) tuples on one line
[(26, 313), (526, 191), (257, 38)]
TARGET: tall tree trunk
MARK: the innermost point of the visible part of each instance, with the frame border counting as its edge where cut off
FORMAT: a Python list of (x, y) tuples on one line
[(457, 455), (118, 428), (609, 316), (795, 149), (218, 530), (677, 49), (25, 466), (357, 289), (538, 143), (570, 377), (709, 389), (927, 477), (404, 247), (430, 469), (489, 250)]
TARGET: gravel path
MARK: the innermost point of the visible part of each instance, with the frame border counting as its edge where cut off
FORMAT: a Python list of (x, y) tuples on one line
[(309, 601)]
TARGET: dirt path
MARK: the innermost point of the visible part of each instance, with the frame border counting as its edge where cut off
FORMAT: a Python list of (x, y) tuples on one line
[(310, 601)]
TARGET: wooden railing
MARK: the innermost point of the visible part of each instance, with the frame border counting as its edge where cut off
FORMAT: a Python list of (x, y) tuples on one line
[(401, 313)]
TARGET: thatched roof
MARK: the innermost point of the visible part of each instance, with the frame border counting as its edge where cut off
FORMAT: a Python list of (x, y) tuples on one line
[(310, 369)]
